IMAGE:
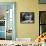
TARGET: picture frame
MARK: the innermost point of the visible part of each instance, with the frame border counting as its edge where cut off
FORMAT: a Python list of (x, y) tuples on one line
[(42, 1), (26, 17)]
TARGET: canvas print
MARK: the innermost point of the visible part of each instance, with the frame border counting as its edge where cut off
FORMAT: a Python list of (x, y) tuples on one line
[(26, 17)]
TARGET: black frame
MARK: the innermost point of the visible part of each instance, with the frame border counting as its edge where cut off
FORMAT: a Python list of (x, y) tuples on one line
[(41, 2), (39, 20), (26, 13)]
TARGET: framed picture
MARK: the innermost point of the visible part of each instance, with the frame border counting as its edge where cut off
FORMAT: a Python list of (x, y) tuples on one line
[(26, 17), (42, 22), (42, 1)]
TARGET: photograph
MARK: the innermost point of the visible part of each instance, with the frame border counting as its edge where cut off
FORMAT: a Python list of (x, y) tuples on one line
[(26, 17)]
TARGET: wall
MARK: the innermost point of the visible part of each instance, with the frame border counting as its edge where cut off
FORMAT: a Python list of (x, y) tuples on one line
[(27, 30)]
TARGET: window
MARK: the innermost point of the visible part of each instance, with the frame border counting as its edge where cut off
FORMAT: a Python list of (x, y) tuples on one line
[(42, 22)]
